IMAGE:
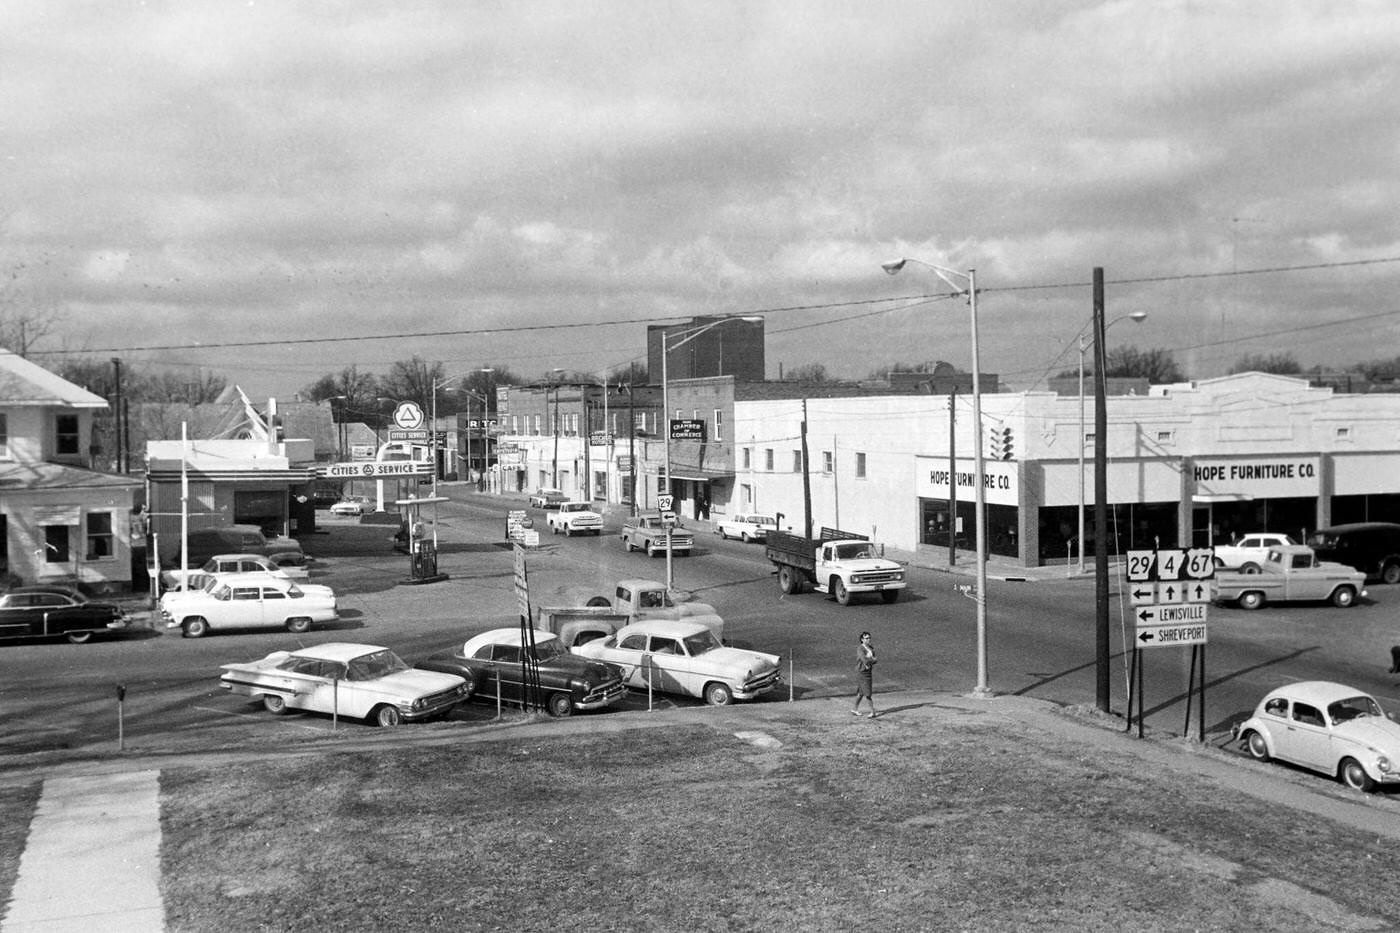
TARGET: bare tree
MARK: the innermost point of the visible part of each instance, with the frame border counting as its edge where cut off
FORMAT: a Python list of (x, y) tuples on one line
[(356, 388), (807, 372), (1283, 364), (412, 380), (1156, 366)]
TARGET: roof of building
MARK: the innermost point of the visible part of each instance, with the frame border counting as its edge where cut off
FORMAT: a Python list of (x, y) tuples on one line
[(59, 476), (26, 383)]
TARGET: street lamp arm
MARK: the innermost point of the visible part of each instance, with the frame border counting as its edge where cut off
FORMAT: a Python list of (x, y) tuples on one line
[(893, 268)]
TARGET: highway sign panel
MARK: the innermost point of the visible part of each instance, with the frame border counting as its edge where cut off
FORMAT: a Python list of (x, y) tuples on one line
[(1159, 614), (1170, 636), (664, 503)]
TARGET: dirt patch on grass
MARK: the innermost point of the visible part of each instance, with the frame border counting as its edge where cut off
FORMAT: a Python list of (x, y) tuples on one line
[(930, 824)]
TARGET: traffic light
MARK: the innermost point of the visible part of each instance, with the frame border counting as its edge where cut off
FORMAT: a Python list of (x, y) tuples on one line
[(999, 442)]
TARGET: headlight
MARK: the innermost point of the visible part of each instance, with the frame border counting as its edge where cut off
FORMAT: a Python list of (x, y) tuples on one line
[(418, 703), (1383, 763)]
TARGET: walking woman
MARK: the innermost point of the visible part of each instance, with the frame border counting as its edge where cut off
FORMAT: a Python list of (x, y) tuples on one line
[(865, 664)]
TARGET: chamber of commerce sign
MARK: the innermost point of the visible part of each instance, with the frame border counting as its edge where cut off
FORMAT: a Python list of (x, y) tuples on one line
[(687, 429)]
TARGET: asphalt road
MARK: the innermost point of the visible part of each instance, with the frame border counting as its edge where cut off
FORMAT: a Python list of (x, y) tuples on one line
[(61, 698)]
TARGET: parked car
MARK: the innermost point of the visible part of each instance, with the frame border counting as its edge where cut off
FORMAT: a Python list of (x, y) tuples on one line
[(57, 611), (248, 601), (352, 505), (492, 659), (225, 564), (1329, 728), (364, 681), (685, 658), (575, 518), (746, 526), (547, 498), (1371, 547), (1247, 555), (205, 543)]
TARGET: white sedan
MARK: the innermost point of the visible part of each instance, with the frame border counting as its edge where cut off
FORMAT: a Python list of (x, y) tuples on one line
[(746, 526), (1326, 727), (685, 658), (364, 681), (351, 505), (248, 601), (225, 564)]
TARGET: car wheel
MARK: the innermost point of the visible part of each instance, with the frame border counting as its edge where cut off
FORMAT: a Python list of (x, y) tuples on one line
[(1344, 597), (275, 703), (889, 596), (717, 694), (1249, 567), (78, 638), (1256, 746), (602, 601), (843, 595), (651, 549), (723, 536), (1390, 574), (195, 627), (788, 581), (1354, 776), (1252, 600), (559, 705), (298, 624), (387, 717)]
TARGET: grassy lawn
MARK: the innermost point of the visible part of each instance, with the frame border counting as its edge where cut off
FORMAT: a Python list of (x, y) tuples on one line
[(942, 825), (16, 810)]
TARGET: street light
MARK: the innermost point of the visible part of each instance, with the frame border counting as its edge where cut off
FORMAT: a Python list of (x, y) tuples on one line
[(690, 334), (1136, 317), (979, 493), (554, 481)]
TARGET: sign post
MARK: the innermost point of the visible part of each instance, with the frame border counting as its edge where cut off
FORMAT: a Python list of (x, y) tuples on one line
[(1170, 590)]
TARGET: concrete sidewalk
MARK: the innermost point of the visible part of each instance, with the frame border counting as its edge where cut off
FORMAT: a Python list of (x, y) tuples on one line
[(92, 860)]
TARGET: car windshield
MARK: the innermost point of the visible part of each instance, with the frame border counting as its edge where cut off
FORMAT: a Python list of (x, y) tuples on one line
[(854, 551), (1353, 708), (379, 664), (548, 650), (701, 642)]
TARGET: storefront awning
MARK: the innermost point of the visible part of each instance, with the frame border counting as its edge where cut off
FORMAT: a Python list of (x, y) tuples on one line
[(702, 477), (1208, 497)]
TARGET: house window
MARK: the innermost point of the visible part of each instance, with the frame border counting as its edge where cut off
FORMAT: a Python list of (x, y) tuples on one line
[(768, 459), (747, 458), (4, 436), (860, 466), (746, 496), (99, 535), (67, 434), (56, 544), (539, 424), (1165, 437), (828, 462), (639, 422), (719, 425), (1343, 433), (797, 461)]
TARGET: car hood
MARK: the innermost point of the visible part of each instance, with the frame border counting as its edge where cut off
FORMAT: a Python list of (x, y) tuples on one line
[(737, 658), (413, 682), (1382, 734)]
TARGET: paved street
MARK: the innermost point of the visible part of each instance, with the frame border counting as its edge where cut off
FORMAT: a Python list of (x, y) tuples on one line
[(62, 697)]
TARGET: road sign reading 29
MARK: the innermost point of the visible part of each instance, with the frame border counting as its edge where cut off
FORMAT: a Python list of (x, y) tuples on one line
[(1171, 564)]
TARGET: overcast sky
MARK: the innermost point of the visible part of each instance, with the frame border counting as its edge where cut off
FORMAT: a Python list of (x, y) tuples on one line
[(529, 184)]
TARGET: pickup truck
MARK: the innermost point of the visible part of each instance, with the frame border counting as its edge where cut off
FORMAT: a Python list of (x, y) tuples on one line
[(632, 601), (575, 518), (839, 563), (646, 533), (1291, 573), (1249, 553)]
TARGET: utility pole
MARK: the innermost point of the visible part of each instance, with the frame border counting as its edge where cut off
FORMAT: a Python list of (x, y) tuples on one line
[(806, 475), (117, 419), (952, 478), (1102, 692)]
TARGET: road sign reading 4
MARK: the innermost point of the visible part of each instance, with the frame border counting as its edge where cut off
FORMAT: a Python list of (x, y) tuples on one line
[(1169, 564)]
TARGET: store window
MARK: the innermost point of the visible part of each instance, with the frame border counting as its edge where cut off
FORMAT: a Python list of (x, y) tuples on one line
[(719, 425), (768, 459), (747, 458), (828, 462), (797, 461), (860, 466), (99, 536)]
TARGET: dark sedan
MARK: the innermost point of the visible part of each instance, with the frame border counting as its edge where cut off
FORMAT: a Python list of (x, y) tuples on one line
[(492, 661), (54, 611)]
